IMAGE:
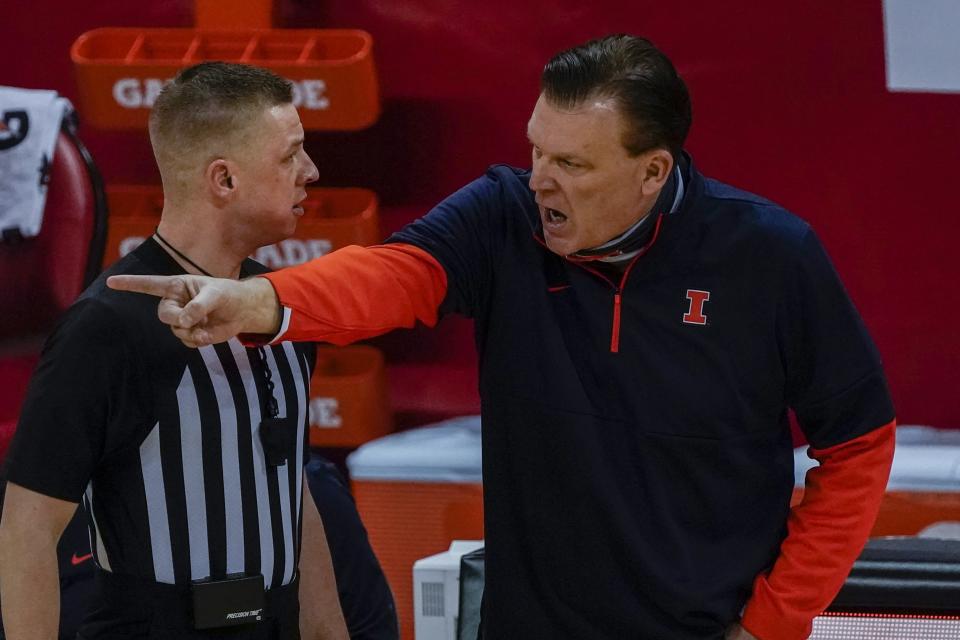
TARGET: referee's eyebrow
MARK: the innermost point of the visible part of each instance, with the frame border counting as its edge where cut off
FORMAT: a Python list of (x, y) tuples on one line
[(295, 144)]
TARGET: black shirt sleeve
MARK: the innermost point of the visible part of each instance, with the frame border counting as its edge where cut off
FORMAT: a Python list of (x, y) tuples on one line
[(835, 381), (86, 399)]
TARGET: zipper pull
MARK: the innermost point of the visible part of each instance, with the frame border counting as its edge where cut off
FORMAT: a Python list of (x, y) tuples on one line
[(615, 335)]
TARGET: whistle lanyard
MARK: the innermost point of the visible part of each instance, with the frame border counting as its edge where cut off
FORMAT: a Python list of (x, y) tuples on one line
[(271, 437), (272, 410)]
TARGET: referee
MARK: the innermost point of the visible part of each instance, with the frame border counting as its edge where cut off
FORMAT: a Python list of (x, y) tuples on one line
[(189, 463)]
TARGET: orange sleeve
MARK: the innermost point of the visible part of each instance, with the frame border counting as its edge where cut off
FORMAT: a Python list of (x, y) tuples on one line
[(825, 534), (359, 292)]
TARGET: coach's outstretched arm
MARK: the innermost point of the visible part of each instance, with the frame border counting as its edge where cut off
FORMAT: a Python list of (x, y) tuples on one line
[(348, 295)]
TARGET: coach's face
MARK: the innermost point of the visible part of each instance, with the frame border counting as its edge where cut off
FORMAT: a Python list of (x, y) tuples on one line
[(588, 188)]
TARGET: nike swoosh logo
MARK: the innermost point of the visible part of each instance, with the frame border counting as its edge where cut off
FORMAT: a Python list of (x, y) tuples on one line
[(75, 560)]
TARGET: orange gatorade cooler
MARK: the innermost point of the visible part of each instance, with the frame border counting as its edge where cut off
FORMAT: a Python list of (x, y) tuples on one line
[(923, 494), (416, 492)]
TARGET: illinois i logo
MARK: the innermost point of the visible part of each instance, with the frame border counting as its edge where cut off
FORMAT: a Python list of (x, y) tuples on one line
[(694, 314)]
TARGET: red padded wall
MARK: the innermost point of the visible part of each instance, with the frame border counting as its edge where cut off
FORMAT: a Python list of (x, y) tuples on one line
[(789, 101)]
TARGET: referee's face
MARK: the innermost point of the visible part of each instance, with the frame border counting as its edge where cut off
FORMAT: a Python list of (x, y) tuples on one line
[(274, 170)]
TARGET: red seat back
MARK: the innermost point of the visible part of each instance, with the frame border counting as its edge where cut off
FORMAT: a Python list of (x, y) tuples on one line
[(41, 276)]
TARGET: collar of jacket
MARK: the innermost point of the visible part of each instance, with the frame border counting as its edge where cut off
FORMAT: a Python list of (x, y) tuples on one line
[(639, 236), (674, 226)]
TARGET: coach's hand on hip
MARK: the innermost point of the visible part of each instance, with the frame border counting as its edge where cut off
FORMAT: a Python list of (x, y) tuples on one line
[(203, 311)]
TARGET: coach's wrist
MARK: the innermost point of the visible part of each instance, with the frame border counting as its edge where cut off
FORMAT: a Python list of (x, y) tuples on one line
[(261, 307)]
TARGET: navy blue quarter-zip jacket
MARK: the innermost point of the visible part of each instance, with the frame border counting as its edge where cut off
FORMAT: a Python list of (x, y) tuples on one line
[(637, 459)]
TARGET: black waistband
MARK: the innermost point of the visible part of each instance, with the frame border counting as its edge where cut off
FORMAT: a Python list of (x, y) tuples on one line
[(173, 604)]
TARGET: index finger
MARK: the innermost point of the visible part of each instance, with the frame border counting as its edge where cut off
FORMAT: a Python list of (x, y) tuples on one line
[(153, 285)]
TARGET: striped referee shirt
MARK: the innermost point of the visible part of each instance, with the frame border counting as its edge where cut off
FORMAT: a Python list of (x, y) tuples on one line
[(162, 443)]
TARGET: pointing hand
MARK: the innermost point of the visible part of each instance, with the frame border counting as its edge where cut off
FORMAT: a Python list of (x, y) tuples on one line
[(202, 310)]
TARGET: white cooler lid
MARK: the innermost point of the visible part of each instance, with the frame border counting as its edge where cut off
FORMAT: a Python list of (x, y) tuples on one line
[(448, 451), (926, 459), (920, 435)]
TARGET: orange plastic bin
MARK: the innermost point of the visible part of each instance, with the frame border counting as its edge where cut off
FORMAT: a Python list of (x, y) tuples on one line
[(332, 218), (120, 71), (348, 397), (417, 491)]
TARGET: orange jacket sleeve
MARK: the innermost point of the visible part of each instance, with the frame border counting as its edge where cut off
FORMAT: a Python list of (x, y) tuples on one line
[(825, 534), (359, 292)]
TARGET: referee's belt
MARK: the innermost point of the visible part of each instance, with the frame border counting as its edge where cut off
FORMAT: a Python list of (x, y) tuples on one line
[(173, 605)]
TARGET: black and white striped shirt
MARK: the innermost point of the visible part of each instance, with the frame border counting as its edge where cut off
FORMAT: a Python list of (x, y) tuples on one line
[(161, 442)]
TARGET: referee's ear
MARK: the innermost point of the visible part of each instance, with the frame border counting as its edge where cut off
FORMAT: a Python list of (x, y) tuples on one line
[(219, 179)]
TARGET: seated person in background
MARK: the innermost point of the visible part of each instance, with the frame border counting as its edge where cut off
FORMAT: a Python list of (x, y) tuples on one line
[(189, 462)]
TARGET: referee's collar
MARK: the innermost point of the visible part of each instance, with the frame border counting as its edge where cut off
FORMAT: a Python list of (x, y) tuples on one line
[(151, 253)]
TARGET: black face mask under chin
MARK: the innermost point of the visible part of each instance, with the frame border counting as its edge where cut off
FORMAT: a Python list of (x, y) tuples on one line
[(641, 235)]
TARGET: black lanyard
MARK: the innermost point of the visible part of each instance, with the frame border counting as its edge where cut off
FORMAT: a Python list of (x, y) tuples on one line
[(277, 435)]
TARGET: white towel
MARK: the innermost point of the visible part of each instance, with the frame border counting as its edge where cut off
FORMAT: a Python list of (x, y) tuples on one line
[(29, 124)]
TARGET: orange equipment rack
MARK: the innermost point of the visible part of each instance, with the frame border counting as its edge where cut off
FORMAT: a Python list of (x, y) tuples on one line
[(349, 404), (120, 71), (332, 218)]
